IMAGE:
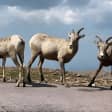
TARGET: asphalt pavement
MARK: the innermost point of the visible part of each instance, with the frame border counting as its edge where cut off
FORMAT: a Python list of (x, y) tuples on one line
[(54, 98)]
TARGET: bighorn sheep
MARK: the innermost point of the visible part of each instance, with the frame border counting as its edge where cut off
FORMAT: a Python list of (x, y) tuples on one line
[(104, 55), (47, 47), (13, 47)]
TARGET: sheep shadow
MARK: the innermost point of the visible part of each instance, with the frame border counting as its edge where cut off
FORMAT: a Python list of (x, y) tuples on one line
[(94, 89), (35, 84)]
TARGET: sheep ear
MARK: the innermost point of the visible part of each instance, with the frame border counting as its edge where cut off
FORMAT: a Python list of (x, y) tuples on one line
[(69, 35)]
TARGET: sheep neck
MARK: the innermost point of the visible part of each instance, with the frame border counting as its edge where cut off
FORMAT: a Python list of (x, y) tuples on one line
[(75, 46), (72, 50)]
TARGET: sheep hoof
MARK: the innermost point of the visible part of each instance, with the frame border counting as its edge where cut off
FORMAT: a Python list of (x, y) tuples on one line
[(24, 85), (29, 80), (111, 87), (4, 79), (46, 81), (43, 81), (17, 85), (67, 85), (62, 83), (90, 85)]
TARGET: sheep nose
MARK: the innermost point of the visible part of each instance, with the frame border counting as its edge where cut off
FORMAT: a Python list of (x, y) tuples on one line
[(101, 56)]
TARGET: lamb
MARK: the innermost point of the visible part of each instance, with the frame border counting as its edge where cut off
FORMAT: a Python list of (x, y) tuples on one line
[(13, 47), (52, 48), (104, 55)]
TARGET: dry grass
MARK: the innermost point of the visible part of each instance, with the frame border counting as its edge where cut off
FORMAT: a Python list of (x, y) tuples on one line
[(72, 78)]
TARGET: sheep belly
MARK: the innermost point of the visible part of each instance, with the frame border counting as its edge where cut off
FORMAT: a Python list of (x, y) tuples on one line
[(49, 51), (3, 52)]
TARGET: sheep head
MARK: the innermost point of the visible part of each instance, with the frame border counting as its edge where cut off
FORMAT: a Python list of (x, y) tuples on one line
[(76, 35), (102, 47)]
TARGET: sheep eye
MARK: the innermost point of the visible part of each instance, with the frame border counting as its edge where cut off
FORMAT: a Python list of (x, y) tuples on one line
[(70, 33), (98, 45), (70, 46)]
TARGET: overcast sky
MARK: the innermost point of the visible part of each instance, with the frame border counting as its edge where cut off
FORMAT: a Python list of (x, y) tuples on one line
[(57, 18)]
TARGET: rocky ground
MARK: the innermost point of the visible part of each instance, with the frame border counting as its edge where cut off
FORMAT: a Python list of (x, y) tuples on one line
[(72, 78)]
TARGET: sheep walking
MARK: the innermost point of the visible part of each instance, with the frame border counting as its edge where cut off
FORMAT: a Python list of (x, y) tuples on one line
[(104, 55), (52, 48), (13, 47)]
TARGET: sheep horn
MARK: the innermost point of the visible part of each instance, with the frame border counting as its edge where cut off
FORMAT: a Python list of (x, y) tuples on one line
[(109, 38), (98, 37), (80, 30)]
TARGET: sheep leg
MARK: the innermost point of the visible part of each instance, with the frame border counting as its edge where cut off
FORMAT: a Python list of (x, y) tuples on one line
[(97, 72), (111, 75), (14, 58), (41, 61), (111, 70), (21, 58), (29, 67), (3, 68), (62, 77), (111, 87)]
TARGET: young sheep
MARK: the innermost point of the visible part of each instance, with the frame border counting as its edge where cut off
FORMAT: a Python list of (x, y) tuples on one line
[(47, 47), (104, 55), (13, 47)]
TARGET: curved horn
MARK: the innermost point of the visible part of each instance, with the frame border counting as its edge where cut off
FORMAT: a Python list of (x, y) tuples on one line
[(109, 38), (80, 30), (98, 37)]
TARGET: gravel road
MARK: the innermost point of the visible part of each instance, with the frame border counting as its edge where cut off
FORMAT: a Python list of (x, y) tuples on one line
[(54, 98)]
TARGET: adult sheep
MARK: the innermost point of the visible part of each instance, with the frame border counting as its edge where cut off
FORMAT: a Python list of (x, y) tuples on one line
[(13, 47), (52, 48), (104, 55)]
